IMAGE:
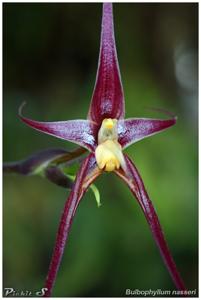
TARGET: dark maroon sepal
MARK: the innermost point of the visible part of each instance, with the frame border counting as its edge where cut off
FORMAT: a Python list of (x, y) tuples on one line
[(136, 185), (86, 175), (80, 132), (108, 97), (135, 129)]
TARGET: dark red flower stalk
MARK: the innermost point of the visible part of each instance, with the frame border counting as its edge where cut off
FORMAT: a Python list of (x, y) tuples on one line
[(105, 134)]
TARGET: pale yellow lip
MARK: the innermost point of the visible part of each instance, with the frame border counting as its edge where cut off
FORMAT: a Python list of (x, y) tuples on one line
[(107, 156)]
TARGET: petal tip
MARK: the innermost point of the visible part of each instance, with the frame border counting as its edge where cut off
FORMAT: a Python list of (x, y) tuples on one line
[(21, 108)]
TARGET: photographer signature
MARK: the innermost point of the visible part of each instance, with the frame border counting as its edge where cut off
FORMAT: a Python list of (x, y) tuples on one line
[(11, 292)]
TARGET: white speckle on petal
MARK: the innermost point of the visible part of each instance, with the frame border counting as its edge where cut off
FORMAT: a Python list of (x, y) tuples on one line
[(106, 105)]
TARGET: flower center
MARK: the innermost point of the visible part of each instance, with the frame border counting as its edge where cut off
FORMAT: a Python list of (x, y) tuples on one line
[(108, 153)]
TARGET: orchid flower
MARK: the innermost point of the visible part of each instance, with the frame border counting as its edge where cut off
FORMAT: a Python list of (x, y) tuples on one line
[(105, 134)]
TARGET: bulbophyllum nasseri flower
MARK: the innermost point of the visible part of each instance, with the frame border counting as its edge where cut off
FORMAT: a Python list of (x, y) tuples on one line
[(105, 134)]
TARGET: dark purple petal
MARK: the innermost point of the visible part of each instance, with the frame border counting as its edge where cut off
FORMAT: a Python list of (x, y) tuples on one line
[(108, 98), (55, 175), (135, 183), (133, 130), (80, 132), (86, 175), (35, 161)]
